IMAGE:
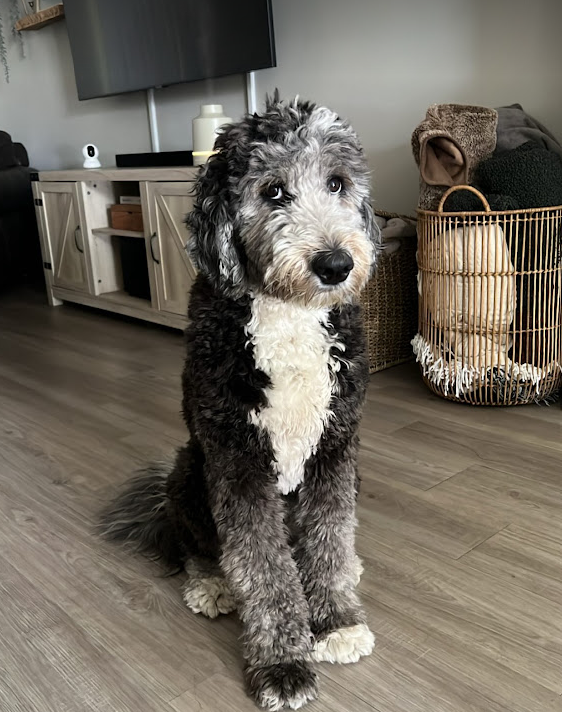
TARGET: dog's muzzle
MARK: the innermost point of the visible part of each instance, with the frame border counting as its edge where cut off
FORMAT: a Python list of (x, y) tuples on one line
[(332, 267)]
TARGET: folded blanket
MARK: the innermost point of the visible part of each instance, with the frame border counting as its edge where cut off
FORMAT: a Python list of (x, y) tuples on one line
[(392, 232), (448, 144), (515, 127), (530, 174), (470, 293), (398, 227)]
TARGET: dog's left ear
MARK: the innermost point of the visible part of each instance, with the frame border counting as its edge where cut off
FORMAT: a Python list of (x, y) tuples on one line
[(211, 222), (370, 226)]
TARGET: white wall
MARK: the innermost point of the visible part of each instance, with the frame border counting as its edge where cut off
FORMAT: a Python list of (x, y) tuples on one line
[(378, 62)]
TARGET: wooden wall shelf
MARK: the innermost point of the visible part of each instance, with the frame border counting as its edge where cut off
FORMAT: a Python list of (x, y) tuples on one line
[(39, 19)]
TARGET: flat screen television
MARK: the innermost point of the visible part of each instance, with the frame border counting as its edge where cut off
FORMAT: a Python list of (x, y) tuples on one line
[(126, 45)]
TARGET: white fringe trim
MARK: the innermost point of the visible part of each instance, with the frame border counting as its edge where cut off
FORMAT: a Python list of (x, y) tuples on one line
[(453, 376)]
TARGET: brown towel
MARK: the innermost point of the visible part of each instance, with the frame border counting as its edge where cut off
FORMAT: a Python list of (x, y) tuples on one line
[(448, 145)]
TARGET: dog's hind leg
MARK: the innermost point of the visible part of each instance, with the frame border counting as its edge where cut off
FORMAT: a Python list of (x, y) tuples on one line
[(328, 565), (206, 590)]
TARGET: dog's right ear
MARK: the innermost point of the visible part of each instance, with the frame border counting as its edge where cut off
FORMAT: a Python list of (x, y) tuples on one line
[(211, 222)]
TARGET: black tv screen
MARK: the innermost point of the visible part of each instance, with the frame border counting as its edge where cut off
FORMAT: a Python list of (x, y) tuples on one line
[(126, 45)]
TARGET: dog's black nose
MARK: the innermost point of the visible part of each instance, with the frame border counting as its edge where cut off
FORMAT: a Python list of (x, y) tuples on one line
[(332, 267)]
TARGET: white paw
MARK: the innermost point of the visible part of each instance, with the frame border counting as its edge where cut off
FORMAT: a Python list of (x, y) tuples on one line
[(273, 702), (345, 645), (209, 596), (283, 685)]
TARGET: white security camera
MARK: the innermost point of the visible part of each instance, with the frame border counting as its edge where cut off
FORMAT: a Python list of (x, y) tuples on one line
[(91, 153)]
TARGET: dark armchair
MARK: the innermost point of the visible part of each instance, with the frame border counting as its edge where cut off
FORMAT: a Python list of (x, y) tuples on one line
[(20, 253)]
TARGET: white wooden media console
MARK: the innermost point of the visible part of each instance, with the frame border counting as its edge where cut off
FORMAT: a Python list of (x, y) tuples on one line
[(81, 252)]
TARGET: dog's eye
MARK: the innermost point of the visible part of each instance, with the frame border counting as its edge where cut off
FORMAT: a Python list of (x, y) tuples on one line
[(274, 192), (335, 184)]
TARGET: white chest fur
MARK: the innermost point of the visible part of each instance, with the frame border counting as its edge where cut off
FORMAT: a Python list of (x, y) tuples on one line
[(292, 346)]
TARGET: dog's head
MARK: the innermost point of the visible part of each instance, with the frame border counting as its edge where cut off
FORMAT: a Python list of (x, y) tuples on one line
[(283, 208)]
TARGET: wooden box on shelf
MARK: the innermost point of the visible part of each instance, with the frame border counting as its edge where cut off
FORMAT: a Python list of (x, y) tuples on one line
[(126, 217)]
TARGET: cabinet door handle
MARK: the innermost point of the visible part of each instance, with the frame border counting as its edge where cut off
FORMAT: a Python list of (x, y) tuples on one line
[(152, 248), (76, 230)]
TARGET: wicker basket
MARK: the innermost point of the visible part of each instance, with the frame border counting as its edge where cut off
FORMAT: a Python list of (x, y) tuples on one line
[(490, 310), (390, 305)]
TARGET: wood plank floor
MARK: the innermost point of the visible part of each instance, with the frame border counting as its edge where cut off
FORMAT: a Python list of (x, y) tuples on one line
[(460, 531)]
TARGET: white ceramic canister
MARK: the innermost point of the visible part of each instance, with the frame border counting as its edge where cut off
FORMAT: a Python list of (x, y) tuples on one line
[(205, 130)]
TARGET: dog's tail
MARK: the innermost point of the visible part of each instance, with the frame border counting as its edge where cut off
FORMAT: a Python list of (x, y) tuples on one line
[(139, 517)]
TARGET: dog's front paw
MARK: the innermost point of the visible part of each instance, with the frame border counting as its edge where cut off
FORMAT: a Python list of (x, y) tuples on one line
[(285, 685), (345, 645)]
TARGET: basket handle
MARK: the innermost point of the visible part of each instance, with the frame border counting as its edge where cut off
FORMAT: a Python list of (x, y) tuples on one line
[(454, 188)]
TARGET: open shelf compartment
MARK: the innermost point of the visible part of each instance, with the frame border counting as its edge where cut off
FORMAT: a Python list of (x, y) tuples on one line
[(122, 268)]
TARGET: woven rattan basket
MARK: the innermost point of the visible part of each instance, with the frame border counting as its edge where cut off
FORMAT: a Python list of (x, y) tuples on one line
[(390, 305), (490, 308)]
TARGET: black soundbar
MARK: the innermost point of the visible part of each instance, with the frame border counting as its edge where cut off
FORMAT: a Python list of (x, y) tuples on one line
[(163, 159)]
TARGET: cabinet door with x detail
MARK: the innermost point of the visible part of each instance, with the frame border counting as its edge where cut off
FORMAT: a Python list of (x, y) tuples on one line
[(168, 204), (64, 236)]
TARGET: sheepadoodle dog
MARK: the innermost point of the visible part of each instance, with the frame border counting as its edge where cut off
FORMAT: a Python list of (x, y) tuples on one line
[(259, 506)]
